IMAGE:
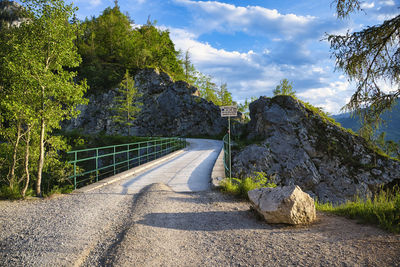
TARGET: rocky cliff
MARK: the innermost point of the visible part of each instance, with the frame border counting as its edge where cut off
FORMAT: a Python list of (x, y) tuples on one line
[(169, 109), (298, 146)]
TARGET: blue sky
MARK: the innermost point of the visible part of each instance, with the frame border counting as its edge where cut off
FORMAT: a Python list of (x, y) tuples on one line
[(252, 45)]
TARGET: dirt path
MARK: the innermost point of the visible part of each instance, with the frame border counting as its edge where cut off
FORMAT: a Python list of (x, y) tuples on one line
[(212, 229)]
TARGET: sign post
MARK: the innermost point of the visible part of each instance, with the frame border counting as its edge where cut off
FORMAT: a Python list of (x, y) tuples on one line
[(229, 111)]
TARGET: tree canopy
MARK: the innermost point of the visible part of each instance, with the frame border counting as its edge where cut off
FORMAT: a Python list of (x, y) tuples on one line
[(110, 44), (284, 88)]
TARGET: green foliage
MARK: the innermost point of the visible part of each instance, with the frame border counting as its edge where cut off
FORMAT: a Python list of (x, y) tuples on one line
[(244, 108), (220, 96), (207, 87), (345, 7), (224, 96), (126, 104), (77, 140), (284, 88), (59, 190), (189, 69), (38, 88), (109, 45), (382, 210), (368, 57), (10, 193), (240, 187), (319, 111)]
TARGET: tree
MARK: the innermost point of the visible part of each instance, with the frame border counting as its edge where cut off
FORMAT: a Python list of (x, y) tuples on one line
[(126, 103), (244, 108), (207, 88), (109, 45), (284, 88), (368, 57), (35, 74), (106, 47), (224, 96), (189, 69)]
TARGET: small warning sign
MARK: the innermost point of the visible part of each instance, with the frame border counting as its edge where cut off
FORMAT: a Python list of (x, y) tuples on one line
[(228, 111)]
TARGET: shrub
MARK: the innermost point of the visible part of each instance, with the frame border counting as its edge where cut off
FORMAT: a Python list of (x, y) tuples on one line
[(7, 193), (240, 187)]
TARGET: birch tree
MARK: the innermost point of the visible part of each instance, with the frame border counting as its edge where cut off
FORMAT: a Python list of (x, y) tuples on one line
[(41, 54)]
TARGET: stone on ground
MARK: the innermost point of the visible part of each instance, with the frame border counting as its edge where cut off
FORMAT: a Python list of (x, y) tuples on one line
[(287, 204)]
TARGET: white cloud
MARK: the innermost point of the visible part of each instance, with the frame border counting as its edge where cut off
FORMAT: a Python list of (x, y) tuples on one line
[(250, 74), (366, 5), (387, 3), (223, 17), (331, 97)]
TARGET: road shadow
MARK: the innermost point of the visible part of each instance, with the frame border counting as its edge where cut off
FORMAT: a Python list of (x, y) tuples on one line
[(204, 221)]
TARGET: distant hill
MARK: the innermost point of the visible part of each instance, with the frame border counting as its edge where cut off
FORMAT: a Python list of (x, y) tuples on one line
[(392, 119)]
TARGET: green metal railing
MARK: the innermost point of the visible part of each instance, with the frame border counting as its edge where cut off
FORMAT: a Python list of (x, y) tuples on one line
[(94, 164), (227, 155)]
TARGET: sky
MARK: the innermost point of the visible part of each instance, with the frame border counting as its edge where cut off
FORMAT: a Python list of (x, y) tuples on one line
[(253, 45)]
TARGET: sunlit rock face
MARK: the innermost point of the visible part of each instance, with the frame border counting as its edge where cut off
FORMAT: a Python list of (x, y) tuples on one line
[(298, 146)]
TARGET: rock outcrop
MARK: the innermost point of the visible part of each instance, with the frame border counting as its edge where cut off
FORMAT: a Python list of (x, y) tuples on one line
[(287, 204), (300, 147), (11, 14), (169, 109)]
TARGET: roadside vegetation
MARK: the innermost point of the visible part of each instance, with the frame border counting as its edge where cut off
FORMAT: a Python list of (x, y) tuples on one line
[(240, 187), (383, 209)]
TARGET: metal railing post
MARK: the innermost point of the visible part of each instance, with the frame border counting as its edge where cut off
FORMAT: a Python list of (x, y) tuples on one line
[(97, 164), (76, 158), (147, 145), (139, 152), (114, 160), (127, 156)]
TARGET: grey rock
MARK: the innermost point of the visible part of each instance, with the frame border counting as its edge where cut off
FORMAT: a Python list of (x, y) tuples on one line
[(299, 147), (169, 109), (287, 204)]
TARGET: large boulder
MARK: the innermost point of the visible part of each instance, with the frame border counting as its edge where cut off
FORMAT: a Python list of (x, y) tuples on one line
[(169, 109), (300, 146), (287, 204)]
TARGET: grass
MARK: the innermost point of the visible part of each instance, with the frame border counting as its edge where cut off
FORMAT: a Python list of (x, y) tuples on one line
[(382, 210), (240, 187)]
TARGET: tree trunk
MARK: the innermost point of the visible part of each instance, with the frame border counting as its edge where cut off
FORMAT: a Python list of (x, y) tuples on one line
[(41, 159), (28, 139), (14, 162)]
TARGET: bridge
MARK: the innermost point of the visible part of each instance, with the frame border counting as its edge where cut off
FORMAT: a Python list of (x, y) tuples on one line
[(62, 231)]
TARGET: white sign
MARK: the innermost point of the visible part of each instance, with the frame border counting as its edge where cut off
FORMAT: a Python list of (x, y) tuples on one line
[(228, 111)]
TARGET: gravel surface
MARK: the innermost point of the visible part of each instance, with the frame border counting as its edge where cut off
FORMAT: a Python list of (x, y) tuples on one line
[(122, 224), (160, 227)]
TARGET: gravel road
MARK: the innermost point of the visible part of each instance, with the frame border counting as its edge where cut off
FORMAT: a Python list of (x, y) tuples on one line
[(157, 226)]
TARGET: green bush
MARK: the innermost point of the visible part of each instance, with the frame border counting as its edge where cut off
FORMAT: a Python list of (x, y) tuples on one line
[(382, 210), (60, 190), (7, 193), (240, 187)]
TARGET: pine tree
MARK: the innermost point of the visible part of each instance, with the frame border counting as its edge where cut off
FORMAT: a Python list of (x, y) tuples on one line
[(284, 88), (126, 103)]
